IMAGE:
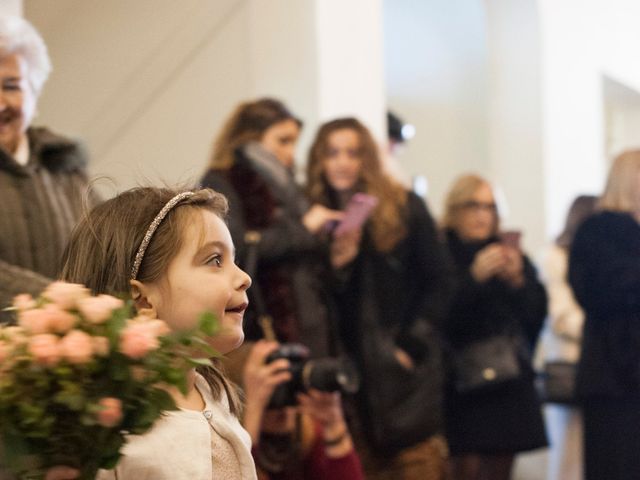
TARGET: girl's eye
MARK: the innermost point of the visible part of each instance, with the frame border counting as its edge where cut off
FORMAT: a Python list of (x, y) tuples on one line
[(215, 260)]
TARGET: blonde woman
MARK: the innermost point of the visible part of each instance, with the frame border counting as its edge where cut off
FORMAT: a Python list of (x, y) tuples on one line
[(604, 271), (497, 294)]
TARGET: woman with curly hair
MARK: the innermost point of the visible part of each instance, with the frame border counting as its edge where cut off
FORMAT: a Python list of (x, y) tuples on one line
[(390, 287)]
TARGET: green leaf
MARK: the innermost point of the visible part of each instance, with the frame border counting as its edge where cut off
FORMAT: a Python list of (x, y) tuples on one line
[(200, 362), (163, 400), (209, 323), (111, 461)]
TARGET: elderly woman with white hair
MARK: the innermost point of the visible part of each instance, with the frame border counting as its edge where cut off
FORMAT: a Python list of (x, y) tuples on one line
[(42, 175)]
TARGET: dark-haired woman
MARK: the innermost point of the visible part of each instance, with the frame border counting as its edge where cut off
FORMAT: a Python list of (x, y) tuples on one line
[(561, 341), (272, 224)]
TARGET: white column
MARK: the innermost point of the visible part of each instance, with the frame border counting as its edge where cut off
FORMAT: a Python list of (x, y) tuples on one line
[(515, 117), (350, 61), (323, 57), (148, 101)]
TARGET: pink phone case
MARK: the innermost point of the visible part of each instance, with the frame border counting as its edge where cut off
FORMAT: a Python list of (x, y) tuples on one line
[(358, 210), (511, 238)]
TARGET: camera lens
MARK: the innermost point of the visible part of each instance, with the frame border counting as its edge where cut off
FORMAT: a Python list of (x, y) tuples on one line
[(331, 375), (324, 374)]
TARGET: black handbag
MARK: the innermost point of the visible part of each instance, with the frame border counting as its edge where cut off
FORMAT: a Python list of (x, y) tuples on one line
[(486, 364), (402, 406), (557, 382)]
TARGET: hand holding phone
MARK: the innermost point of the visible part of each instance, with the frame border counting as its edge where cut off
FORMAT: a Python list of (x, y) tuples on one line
[(356, 214)]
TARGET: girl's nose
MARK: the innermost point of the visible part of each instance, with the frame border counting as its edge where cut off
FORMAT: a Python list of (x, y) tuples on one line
[(244, 279)]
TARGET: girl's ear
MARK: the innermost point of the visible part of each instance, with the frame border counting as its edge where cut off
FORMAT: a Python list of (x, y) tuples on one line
[(142, 298)]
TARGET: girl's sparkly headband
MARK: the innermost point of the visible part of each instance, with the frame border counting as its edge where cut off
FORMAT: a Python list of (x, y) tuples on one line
[(152, 229)]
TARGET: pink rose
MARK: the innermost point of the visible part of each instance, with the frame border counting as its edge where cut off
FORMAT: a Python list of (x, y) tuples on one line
[(65, 295), (24, 301), (35, 321), (45, 349), (101, 346), (77, 347), (110, 413), (60, 321), (139, 338), (13, 334), (99, 309), (160, 327)]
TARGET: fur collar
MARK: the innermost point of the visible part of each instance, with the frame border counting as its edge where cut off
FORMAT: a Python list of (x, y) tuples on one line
[(51, 151)]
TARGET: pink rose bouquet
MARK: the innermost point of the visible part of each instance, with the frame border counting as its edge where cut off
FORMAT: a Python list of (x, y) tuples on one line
[(78, 373)]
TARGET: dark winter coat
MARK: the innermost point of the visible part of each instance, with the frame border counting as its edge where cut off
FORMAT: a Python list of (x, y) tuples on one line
[(390, 300), (41, 203), (291, 263), (507, 419), (604, 271)]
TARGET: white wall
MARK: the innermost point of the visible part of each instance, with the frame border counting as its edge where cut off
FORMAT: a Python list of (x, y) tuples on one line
[(143, 83), (148, 83), (515, 115), (436, 70), (603, 40), (11, 7), (514, 89)]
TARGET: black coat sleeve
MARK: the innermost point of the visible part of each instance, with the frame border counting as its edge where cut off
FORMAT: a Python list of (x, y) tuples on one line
[(431, 272), (604, 266), (284, 235), (530, 303)]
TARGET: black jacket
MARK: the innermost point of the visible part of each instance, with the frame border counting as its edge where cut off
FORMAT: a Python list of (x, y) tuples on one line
[(604, 271), (391, 300), (480, 310), (508, 418), (292, 268)]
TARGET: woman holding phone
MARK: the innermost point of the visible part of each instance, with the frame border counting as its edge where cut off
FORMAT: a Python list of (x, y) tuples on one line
[(274, 228), (498, 299), (391, 285)]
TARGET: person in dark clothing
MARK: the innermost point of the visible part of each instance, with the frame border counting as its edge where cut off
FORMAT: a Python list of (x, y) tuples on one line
[(272, 224), (43, 176), (309, 441), (391, 285), (497, 293), (604, 271)]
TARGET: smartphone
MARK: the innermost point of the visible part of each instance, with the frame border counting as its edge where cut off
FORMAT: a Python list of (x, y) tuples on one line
[(356, 214), (511, 238)]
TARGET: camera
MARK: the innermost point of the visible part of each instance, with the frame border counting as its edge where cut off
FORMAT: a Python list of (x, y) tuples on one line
[(324, 374)]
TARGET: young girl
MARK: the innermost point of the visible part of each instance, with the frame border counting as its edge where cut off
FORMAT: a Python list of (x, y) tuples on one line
[(173, 252)]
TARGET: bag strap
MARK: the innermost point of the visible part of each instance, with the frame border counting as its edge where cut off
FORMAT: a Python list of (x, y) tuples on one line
[(252, 239)]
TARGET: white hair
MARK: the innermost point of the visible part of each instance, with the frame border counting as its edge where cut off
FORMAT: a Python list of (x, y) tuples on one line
[(19, 37)]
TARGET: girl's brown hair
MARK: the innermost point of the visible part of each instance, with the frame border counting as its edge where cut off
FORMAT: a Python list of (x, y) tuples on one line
[(103, 246), (460, 193), (387, 222), (247, 123)]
